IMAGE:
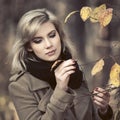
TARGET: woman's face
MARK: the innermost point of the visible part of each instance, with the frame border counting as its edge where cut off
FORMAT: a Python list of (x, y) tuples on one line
[(46, 44)]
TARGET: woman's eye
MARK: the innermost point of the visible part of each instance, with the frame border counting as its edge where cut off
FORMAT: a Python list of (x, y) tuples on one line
[(52, 35), (37, 40)]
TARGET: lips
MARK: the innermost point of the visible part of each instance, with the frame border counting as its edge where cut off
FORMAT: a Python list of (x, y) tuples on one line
[(50, 53)]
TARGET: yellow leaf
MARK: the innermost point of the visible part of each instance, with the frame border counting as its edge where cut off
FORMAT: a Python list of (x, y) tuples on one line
[(69, 15), (96, 12), (105, 17), (56, 63), (97, 67), (85, 13), (115, 75)]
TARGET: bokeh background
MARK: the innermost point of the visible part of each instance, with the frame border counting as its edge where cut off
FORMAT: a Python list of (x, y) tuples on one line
[(88, 41)]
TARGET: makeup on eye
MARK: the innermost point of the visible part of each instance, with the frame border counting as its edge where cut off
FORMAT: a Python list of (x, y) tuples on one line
[(37, 40), (52, 34)]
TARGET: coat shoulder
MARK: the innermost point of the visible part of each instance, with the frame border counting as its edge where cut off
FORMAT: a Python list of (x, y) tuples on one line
[(20, 79), (28, 80), (16, 76)]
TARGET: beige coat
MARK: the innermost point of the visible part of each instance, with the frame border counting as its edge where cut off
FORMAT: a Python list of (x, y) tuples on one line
[(35, 100)]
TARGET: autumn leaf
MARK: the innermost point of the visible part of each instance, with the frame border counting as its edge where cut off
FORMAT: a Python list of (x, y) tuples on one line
[(102, 15), (99, 14), (105, 17), (96, 13), (56, 63), (115, 75), (85, 13), (97, 67)]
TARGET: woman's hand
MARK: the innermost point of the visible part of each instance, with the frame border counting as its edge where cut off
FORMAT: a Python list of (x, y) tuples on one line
[(63, 72), (101, 99)]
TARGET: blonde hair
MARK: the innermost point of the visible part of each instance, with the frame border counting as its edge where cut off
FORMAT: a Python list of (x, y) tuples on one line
[(27, 28)]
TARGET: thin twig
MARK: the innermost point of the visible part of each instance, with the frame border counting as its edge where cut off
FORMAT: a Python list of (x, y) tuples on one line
[(93, 94), (106, 90)]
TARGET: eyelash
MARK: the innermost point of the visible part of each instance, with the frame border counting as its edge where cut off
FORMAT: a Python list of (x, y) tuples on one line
[(53, 35), (37, 40)]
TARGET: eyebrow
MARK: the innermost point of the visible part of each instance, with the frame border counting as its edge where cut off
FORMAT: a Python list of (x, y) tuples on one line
[(42, 37), (36, 38), (51, 32)]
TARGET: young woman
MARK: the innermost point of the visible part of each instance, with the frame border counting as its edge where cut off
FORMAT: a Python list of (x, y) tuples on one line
[(46, 83)]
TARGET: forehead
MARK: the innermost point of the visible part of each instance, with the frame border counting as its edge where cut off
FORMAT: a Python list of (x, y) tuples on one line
[(45, 28)]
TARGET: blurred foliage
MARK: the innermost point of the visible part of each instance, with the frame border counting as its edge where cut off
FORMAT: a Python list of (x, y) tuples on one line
[(7, 109), (99, 14)]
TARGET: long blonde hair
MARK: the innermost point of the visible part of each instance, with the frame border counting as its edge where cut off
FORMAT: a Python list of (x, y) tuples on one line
[(27, 28)]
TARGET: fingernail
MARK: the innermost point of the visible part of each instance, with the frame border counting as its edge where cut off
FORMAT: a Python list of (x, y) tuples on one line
[(73, 61), (96, 88)]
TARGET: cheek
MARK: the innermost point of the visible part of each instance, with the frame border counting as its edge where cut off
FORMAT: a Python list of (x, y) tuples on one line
[(59, 45), (58, 42), (37, 49)]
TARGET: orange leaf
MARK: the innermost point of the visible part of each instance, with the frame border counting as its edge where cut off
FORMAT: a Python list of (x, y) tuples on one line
[(105, 17), (96, 12)]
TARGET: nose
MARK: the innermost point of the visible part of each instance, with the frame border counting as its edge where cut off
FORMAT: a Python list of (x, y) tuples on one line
[(48, 44)]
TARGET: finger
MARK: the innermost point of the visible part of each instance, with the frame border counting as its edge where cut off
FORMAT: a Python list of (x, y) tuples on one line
[(59, 64), (67, 63), (68, 73), (101, 100), (64, 70), (99, 104), (65, 75), (100, 89), (107, 94), (101, 93), (68, 68)]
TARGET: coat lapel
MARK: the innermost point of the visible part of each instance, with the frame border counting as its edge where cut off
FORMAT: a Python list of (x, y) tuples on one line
[(43, 89), (42, 106), (37, 83)]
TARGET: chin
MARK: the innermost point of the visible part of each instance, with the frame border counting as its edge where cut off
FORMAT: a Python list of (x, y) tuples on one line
[(52, 58)]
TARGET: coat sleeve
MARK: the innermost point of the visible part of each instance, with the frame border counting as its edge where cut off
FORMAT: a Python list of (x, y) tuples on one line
[(108, 115), (27, 106)]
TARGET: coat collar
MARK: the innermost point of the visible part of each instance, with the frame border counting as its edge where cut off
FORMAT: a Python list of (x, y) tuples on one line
[(37, 83)]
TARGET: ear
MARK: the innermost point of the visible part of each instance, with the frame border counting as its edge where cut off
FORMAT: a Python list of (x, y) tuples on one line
[(29, 49)]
